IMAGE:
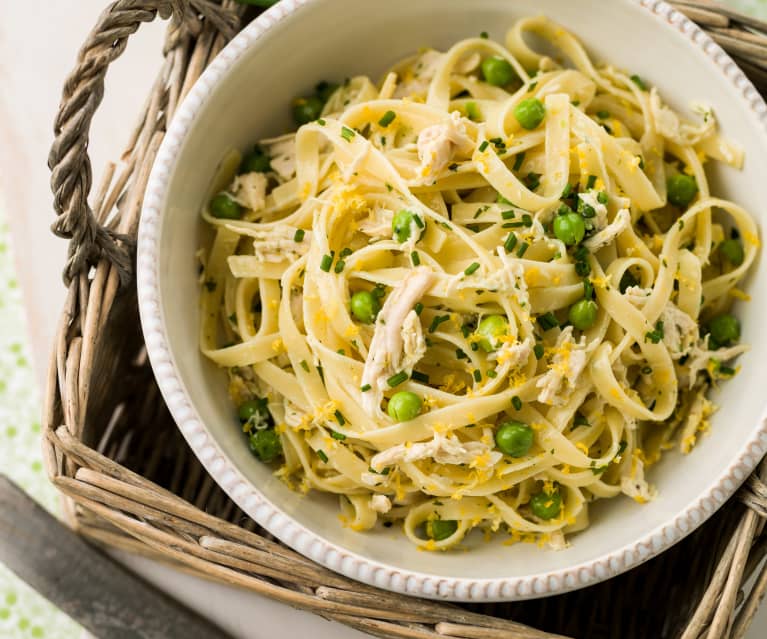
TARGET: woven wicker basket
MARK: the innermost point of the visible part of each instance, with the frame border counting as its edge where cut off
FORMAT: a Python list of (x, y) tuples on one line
[(132, 482)]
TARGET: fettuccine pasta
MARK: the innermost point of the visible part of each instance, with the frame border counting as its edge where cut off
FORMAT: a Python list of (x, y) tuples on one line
[(482, 293)]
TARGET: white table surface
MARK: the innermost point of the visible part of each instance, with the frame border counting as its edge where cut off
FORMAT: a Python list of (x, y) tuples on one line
[(32, 67)]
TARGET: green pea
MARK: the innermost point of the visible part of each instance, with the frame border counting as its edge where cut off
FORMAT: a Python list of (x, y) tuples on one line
[(497, 71), (514, 438), (725, 329), (254, 410), (365, 306), (490, 329), (404, 406), (255, 162), (439, 529), (530, 113), (223, 206), (570, 228), (265, 445), (546, 505), (732, 251), (401, 225), (583, 314), (307, 109), (682, 189)]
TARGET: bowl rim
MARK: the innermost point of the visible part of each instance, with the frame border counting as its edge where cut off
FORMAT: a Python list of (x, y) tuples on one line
[(301, 538)]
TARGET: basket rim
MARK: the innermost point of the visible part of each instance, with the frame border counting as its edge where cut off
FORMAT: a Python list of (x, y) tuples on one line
[(270, 515)]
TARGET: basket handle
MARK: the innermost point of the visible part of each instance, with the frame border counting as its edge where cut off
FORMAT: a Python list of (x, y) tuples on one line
[(68, 160)]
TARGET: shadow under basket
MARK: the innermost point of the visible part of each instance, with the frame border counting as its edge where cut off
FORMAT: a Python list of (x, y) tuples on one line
[(131, 481)]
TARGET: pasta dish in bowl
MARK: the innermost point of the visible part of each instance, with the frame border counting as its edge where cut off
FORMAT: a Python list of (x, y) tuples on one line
[(483, 293)]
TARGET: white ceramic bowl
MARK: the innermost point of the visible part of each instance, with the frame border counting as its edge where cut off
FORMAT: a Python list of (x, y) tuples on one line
[(245, 95)]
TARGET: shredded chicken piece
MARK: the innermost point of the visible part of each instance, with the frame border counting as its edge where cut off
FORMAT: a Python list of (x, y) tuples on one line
[(635, 485), (680, 331), (561, 379), (249, 190), (700, 356), (380, 503), (277, 244), (668, 124), (282, 155), (413, 342), (385, 356), (379, 223), (514, 355), (443, 450), (437, 144), (608, 234)]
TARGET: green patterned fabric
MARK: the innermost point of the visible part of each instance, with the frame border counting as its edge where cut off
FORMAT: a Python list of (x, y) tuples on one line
[(23, 613)]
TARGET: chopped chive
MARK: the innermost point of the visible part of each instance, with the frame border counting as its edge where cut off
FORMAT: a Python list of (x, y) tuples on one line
[(420, 377), (527, 220), (522, 249), (588, 289), (538, 350), (415, 258), (321, 122), (510, 243), (437, 321), (532, 87), (483, 146), (639, 82), (347, 133), (474, 346), (299, 235), (326, 263), (518, 161), (508, 215), (514, 225), (727, 370), (484, 35), (459, 354), (336, 435), (340, 264), (321, 454), (365, 388), (396, 380), (418, 221), (472, 268), (491, 374), (548, 321), (345, 253), (591, 182), (655, 336), (477, 375), (580, 420), (533, 180), (418, 308), (340, 418), (516, 402), (304, 365), (387, 118), (602, 197), (568, 190)]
